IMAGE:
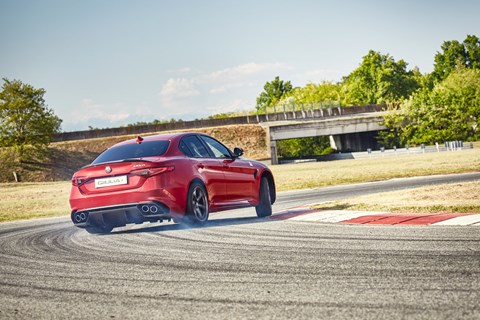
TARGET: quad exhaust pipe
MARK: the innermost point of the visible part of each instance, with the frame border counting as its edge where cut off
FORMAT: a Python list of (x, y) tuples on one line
[(149, 209)]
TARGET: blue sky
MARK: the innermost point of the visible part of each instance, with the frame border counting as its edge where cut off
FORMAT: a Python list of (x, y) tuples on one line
[(110, 63)]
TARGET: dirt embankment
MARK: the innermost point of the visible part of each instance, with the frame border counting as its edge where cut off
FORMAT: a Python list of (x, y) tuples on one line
[(67, 157)]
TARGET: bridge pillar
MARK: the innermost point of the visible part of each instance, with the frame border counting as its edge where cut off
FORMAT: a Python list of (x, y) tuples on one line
[(335, 142), (273, 152)]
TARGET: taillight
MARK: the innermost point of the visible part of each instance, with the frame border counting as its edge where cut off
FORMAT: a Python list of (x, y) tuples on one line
[(152, 171), (78, 181)]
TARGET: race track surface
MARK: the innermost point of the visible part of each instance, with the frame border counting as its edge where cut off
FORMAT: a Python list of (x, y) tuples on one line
[(242, 267)]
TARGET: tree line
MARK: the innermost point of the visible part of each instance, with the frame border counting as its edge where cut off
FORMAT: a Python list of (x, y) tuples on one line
[(426, 108)]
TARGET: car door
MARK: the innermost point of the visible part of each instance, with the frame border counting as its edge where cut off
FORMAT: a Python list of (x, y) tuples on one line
[(239, 173), (210, 168)]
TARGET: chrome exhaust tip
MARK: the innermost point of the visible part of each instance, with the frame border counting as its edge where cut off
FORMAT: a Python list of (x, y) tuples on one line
[(80, 217), (152, 209)]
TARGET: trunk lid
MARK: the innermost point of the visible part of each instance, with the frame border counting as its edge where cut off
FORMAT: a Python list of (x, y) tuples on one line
[(116, 176)]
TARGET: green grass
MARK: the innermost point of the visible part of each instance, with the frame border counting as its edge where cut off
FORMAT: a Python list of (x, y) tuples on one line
[(32, 200), (320, 174), (446, 198)]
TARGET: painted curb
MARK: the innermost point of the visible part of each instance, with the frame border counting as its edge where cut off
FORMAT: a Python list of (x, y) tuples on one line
[(376, 218)]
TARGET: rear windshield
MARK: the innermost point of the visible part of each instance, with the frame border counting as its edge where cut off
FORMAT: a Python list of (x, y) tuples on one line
[(133, 151)]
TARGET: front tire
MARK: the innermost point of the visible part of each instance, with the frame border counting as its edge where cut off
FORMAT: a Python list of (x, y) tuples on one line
[(264, 208), (197, 204)]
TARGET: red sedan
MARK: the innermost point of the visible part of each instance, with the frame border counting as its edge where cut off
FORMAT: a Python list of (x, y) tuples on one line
[(181, 176)]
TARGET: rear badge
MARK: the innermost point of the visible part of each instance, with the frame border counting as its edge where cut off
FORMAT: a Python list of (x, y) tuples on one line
[(108, 169), (110, 182)]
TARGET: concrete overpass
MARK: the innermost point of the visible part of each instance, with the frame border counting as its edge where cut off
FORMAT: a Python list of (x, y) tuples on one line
[(305, 114), (350, 132)]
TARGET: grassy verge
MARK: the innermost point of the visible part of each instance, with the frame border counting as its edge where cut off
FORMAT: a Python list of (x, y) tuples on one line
[(446, 198), (320, 174), (34, 200), (31, 200)]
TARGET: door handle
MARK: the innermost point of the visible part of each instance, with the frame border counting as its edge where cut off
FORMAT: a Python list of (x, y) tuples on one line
[(200, 166)]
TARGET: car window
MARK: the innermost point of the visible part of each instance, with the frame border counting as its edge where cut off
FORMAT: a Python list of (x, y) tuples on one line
[(133, 150), (218, 149), (196, 147), (183, 147)]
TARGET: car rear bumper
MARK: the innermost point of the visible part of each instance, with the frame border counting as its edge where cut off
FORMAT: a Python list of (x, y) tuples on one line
[(121, 215)]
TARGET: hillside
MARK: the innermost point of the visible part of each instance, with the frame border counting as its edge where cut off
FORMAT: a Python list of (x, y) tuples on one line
[(67, 157)]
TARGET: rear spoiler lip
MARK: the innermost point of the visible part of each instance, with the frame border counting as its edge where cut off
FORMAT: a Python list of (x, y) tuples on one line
[(117, 161)]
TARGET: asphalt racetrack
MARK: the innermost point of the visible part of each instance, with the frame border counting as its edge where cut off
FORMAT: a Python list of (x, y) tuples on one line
[(241, 267)]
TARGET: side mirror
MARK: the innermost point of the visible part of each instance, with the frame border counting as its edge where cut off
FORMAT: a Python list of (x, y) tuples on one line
[(237, 152)]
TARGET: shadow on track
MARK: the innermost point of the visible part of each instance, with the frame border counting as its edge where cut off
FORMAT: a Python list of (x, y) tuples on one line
[(183, 227)]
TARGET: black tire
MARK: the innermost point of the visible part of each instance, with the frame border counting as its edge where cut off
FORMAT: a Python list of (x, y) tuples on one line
[(197, 204), (264, 208), (99, 230)]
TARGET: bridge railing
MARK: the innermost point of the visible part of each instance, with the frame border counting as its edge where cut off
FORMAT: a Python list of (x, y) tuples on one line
[(305, 107), (452, 146)]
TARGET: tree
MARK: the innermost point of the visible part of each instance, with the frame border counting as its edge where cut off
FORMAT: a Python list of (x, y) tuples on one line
[(454, 53), (378, 79), (302, 147), (273, 92), (314, 93), (451, 111), (472, 48), (25, 120)]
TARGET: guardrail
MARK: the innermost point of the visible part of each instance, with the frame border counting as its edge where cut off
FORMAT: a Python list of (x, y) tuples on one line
[(304, 113), (395, 152)]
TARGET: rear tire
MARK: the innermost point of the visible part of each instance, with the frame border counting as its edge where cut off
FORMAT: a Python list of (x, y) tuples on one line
[(264, 208), (197, 205)]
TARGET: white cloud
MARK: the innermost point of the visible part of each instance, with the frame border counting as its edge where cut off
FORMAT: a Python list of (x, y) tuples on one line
[(178, 88), (220, 81), (247, 69), (220, 89), (88, 112), (230, 89), (233, 105)]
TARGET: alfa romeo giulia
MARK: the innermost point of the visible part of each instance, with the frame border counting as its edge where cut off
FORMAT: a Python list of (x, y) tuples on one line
[(181, 176)]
